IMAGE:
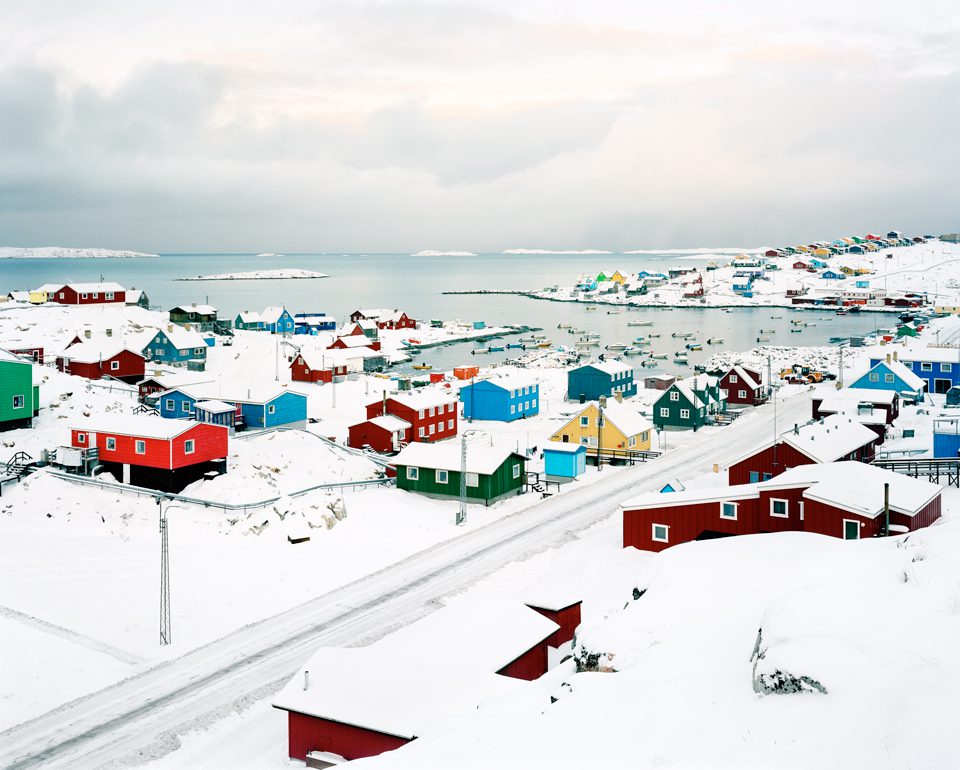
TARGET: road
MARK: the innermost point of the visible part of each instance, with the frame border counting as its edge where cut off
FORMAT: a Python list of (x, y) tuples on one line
[(141, 717)]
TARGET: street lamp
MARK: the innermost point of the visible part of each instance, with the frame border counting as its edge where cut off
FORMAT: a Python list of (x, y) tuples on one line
[(166, 635), (462, 512)]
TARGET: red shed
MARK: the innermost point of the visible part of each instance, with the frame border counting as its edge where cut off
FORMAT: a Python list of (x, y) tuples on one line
[(103, 358), (744, 386), (154, 452), (800, 265), (317, 366), (362, 701), (397, 320), (383, 434), (88, 294), (432, 414), (843, 499), (34, 354), (829, 440), (564, 611)]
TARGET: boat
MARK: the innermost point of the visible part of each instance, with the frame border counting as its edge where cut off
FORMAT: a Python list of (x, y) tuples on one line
[(516, 346), (796, 330), (796, 321), (648, 362), (613, 312), (767, 339), (653, 336), (841, 311), (853, 309), (590, 307), (681, 360), (422, 366), (496, 348), (632, 351), (641, 341), (682, 335), (575, 330), (775, 317), (531, 340), (838, 339), (694, 346), (767, 331), (475, 351), (639, 323), (545, 344), (617, 346), (809, 324), (714, 340), (659, 356), (564, 326)]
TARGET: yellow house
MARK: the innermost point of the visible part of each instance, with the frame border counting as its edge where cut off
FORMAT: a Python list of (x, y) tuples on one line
[(822, 252), (804, 249), (623, 430), (847, 270), (618, 277), (38, 296)]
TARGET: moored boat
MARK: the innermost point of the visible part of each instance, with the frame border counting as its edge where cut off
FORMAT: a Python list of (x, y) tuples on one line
[(422, 366), (694, 346), (714, 340), (617, 346)]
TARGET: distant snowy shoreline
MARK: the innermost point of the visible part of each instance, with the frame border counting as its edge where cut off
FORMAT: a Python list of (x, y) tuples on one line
[(433, 253), (67, 252), (258, 275)]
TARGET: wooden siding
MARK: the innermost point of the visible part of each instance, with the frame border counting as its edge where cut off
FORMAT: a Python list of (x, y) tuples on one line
[(611, 437), (16, 379), (439, 420), (67, 296), (592, 383), (308, 733), (210, 443), (490, 487), (686, 522), (130, 367), (567, 618), (529, 666), (766, 461), (377, 438)]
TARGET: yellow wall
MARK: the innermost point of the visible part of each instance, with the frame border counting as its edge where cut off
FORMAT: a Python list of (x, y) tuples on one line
[(38, 297), (618, 277), (611, 436)]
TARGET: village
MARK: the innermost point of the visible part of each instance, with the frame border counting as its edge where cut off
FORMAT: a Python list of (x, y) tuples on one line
[(287, 460)]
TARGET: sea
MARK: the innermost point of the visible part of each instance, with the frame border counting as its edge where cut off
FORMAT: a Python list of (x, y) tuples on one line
[(416, 284)]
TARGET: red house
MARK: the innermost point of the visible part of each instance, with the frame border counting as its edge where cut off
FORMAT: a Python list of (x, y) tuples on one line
[(354, 341), (744, 386), (315, 366), (837, 402), (383, 434), (829, 440), (432, 414), (771, 253), (385, 318), (34, 354), (356, 702), (103, 358), (844, 500), (154, 452), (88, 294), (800, 265)]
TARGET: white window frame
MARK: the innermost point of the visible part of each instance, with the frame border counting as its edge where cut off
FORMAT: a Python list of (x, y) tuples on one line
[(632, 441), (422, 432), (189, 446), (887, 378), (733, 378), (516, 470), (666, 533), (664, 411), (874, 377), (946, 367), (81, 438), (473, 479), (22, 399), (432, 429), (684, 414), (449, 424), (108, 295), (83, 295), (741, 394), (533, 403), (736, 510), (441, 476), (432, 411), (413, 473), (171, 404), (114, 366), (674, 396), (272, 409), (925, 366), (786, 508), (585, 421), (140, 446), (843, 530), (111, 444), (513, 409)]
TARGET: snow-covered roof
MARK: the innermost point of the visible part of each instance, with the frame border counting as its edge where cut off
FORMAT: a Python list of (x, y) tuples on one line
[(181, 338), (626, 419), (565, 447), (271, 315), (389, 422), (146, 426), (355, 341), (251, 394), (423, 399), (511, 382), (857, 395), (93, 288), (688, 496), (745, 377), (445, 455), (248, 317), (13, 358), (913, 353), (321, 360), (684, 387), (202, 309), (19, 296), (611, 367), (911, 380), (830, 439), (49, 288), (444, 664), (93, 351), (215, 407)]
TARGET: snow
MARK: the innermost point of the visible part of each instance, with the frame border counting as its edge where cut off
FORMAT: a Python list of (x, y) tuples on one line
[(610, 367), (626, 418), (829, 439), (202, 309), (94, 351), (65, 252), (389, 422), (434, 253), (483, 460), (259, 275), (146, 426)]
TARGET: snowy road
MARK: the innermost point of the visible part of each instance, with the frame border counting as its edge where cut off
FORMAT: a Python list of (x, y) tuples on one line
[(140, 718)]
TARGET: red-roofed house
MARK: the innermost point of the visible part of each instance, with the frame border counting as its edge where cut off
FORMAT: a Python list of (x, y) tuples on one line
[(744, 386)]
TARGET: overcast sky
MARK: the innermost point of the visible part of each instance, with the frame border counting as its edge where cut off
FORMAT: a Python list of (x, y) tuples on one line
[(399, 126)]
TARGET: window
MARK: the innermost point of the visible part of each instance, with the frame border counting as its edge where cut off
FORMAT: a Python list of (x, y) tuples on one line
[(513, 393), (402, 434), (874, 377), (661, 533), (61, 295), (779, 508), (584, 440), (473, 480), (526, 405), (422, 432), (421, 414), (733, 379), (851, 529), (441, 476), (664, 411), (513, 408), (185, 406), (684, 414), (946, 367), (140, 447), (81, 438), (272, 409), (632, 441), (674, 396), (83, 296), (158, 352), (432, 412), (533, 403), (18, 402), (111, 444), (516, 470), (108, 295), (926, 366), (96, 294), (188, 446), (584, 422), (433, 429), (170, 405), (888, 378), (645, 435), (114, 366), (728, 511), (449, 424), (741, 394), (413, 473)]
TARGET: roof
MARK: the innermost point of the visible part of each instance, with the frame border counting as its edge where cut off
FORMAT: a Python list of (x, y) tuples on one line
[(444, 664), (564, 447), (181, 338), (208, 391), (916, 353), (94, 351), (321, 360), (689, 496), (215, 407), (423, 399), (389, 422), (745, 377), (508, 382), (684, 387), (146, 426), (354, 341), (13, 358), (607, 367), (857, 395), (445, 455), (202, 309), (911, 380), (627, 420), (248, 317), (271, 315), (829, 439), (376, 312), (91, 288)]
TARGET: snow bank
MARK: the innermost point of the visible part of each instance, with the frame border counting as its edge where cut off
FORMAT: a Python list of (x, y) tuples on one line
[(65, 252)]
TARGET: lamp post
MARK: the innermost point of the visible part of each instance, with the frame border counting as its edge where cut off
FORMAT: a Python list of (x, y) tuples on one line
[(166, 631), (462, 512), (601, 402)]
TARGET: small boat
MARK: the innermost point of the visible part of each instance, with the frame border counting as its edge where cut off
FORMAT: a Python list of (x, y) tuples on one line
[(841, 311), (654, 336), (838, 339), (590, 307), (422, 366), (575, 330), (613, 312), (641, 341), (648, 362), (767, 339), (854, 309), (694, 346), (639, 323), (715, 341), (796, 330), (776, 316), (809, 324), (496, 348), (617, 346), (659, 356), (563, 326), (545, 344), (795, 321), (681, 360), (767, 331), (529, 339), (682, 335), (516, 346), (632, 351), (475, 351)]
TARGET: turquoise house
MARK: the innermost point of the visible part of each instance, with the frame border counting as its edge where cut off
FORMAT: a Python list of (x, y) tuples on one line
[(892, 375), (563, 460), (175, 345)]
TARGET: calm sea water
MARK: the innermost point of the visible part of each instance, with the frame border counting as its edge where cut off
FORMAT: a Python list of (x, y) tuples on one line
[(415, 284)]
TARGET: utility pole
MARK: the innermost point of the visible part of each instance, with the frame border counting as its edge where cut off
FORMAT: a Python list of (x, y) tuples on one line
[(886, 510), (166, 636), (601, 402), (769, 375), (840, 378), (462, 512)]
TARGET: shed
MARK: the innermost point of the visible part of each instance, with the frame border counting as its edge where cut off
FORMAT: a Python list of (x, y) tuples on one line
[(565, 461), (564, 610), (383, 434), (659, 381), (101, 358)]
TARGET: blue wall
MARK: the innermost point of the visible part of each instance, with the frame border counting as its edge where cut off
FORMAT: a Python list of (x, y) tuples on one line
[(935, 372), (881, 378), (489, 401), (946, 444), (593, 383), (170, 354), (284, 324), (565, 464), (287, 407), (181, 406)]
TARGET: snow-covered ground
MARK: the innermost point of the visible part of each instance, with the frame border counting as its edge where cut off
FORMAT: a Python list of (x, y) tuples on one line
[(65, 252), (259, 275)]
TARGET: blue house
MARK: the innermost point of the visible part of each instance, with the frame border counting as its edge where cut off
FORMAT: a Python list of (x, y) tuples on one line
[(248, 321), (946, 437), (892, 375), (269, 407), (565, 461), (175, 345), (277, 320), (313, 323), (603, 378), (504, 399), (862, 284), (817, 263), (857, 249), (832, 275), (939, 368)]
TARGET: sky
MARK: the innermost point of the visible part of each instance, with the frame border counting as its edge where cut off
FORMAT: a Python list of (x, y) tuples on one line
[(401, 126)]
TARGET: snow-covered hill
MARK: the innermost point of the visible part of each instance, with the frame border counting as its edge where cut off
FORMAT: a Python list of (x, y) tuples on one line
[(65, 252)]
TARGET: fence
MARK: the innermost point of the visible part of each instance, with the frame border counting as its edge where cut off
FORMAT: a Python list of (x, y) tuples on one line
[(948, 469)]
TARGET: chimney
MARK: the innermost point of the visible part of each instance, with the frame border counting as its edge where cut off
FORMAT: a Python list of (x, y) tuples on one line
[(194, 304), (796, 429), (306, 680), (895, 356), (169, 327), (618, 397), (583, 398), (87, 333), (888, 358), (109, 332)]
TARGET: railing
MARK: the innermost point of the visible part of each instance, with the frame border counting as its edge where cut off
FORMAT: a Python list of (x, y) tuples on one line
[(340, 486), (947, 469)]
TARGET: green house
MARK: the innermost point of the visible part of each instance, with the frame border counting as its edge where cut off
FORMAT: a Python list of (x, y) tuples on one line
[(434, 470), (19, 397), (689, 404)]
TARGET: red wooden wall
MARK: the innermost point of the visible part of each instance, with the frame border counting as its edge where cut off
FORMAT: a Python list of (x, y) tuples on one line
[(439, 420), (686, 522), (763, 462), (210, 443), (529, 666), (567, 618), (368, 433), (307, 733)]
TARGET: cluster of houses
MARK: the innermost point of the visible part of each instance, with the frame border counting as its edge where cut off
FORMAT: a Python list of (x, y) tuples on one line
[(103, 293)]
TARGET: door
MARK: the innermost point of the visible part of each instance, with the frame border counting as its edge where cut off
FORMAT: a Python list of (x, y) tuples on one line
[(941, 385), (126, 473), (566, 438), (851, 529)]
